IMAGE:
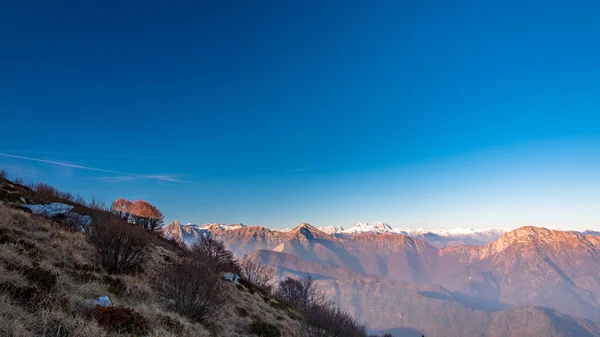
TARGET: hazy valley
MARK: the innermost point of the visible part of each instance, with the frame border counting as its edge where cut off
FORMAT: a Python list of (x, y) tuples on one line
[(398, 282)]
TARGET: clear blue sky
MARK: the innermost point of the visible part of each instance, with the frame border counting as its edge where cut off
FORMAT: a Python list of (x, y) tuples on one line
[(420, 114)]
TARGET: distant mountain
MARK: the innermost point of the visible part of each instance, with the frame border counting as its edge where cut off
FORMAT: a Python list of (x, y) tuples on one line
[(332, 229), (190, 233), (454, 237), (410, 310), (524, 267), (529, 266), (440, 237), (374, 228)]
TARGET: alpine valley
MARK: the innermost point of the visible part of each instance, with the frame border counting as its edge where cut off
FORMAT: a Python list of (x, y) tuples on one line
[(529, 281)]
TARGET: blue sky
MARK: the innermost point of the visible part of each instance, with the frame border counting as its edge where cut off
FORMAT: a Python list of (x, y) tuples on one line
[(420, 114)]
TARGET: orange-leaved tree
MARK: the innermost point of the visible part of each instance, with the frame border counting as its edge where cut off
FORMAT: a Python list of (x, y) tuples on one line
[(121, 207), (139, 212), (146, 215)]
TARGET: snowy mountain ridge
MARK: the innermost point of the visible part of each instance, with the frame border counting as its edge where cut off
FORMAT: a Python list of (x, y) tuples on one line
[(382, 227)]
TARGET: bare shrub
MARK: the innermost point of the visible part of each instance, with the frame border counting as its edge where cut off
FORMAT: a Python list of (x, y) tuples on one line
[(98, 205), (193, 290), (216, 256), (257, 273), (19, 181), (264, 329), (45, 193), (120, 247), (321, 316), (301, 293), (3, 174), (79, 200), (330, 320)]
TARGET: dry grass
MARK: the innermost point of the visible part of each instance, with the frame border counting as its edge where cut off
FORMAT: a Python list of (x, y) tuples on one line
[(31, 248)]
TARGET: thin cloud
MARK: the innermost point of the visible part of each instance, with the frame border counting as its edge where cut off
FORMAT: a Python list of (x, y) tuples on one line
[(301, 169), (89, 155), (172, 178), (131, 175)]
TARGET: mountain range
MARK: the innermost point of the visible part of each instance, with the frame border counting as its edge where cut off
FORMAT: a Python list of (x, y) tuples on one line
[(441, 283)]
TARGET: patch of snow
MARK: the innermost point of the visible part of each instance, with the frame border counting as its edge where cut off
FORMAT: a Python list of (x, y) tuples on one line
[(332, 229), (231, 277), (364, 227), (224, 227)]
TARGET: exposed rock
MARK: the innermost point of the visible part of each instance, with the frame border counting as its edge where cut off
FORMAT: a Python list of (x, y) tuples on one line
[(57, 210)]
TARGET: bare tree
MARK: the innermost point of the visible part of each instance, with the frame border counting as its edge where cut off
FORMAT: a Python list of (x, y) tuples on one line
[(193, 290), (301, 293), (322, 317), (257, 273), (216, 256), (328, 319)]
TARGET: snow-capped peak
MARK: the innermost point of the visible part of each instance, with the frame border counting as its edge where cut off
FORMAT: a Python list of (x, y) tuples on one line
[(332, 229), (222, 226), (375, 227), (451, 232)]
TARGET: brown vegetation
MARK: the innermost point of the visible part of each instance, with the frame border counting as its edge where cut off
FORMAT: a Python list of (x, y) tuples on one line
[(322, 317), (49, 278), (120, 319), (120, 247), (215, 255), (263, 329), (192, 290), (257, 273)]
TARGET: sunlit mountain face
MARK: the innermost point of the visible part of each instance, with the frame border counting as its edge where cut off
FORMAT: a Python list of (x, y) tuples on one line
[(507, 272)]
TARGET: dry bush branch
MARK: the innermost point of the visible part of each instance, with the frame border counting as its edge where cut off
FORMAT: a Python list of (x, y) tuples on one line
[(121, 248), (259, 274), (193, 290)]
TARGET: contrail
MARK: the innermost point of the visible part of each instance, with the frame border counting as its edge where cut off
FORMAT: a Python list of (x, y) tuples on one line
[(89, 155), (301, 169), (156, 177)]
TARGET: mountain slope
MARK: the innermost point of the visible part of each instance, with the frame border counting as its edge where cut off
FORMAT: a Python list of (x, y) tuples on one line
[(50, 277), (526, 266), (530, 265), (413, 309)]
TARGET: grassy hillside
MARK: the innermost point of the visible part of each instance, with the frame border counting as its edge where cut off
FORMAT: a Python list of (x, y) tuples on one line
[(50, 275)]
